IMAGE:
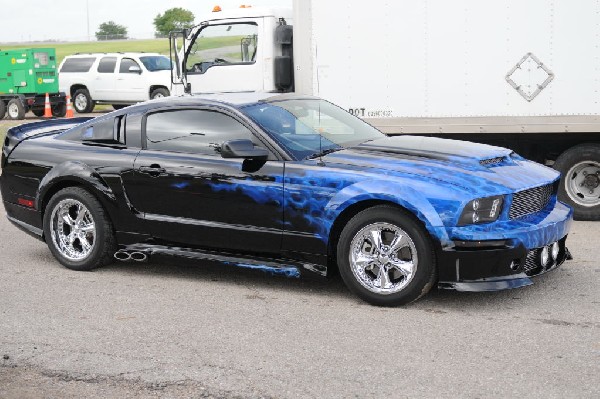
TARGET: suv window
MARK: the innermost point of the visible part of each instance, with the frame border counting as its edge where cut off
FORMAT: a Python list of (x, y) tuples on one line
[(77, 64), (126, 63), (193, 131), (107, 65)]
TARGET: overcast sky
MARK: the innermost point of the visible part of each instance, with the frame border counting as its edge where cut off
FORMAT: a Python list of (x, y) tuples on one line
[(39, 20)]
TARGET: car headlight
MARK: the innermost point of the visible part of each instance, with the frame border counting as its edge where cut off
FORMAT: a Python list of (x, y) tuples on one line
[(481, 210)]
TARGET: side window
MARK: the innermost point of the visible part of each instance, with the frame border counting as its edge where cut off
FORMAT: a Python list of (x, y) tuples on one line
[(77, 64), (126, 64), (107, 65), (223, 45), (192, 131)]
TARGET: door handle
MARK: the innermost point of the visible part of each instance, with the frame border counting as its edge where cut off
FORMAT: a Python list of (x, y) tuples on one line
[(153, 170)]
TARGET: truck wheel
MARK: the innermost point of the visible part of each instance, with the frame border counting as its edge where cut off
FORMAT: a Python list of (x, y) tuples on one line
[(2, 109), (59, 110), (16, 110), (38, 112), (159, 93), (580, 180), (82, 101), (386, 257)]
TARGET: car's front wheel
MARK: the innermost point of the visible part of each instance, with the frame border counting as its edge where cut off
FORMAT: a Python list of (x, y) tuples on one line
[(78, 231), (386, 257)]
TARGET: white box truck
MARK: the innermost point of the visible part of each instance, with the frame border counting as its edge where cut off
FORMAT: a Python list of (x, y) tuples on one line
[(519, 74)]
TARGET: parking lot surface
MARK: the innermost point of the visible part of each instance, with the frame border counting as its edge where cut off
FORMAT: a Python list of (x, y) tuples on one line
[(169, 328)]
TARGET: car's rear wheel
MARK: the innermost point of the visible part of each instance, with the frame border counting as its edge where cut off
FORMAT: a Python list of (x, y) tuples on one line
[(78, 231), (82, 101), (16, 110), (386, 257), (159, 93)]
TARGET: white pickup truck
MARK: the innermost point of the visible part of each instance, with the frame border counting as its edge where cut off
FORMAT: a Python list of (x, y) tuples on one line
[(119, 79)]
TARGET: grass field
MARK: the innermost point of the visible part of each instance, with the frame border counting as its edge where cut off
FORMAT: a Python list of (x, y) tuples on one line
[(160, 46)]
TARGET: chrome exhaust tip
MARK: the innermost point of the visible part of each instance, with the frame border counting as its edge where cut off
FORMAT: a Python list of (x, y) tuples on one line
[(122, 256), (138, 256)]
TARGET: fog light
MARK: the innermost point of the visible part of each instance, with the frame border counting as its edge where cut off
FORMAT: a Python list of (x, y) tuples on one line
[(555, 250), (544, 256)]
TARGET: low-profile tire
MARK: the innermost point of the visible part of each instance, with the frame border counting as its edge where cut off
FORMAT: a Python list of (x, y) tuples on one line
[(159, 93), (78, 231), (580, 180), (59, 110), (82, 101), (118, 106), (2, 109), (15, 109), (38, 112), (386, 257)]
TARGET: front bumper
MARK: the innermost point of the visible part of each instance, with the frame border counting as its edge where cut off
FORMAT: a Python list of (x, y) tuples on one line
[(503, 255)]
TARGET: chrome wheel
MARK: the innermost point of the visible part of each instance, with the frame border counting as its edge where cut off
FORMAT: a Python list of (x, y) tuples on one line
[(73, 229), (582, 183), (383, 258), (13, 111), (158, 95)]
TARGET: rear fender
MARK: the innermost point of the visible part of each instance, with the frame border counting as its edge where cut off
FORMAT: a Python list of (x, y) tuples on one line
[(73, 172)]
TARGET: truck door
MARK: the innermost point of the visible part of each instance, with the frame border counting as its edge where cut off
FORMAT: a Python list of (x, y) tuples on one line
[(225, 57), (104, 84)]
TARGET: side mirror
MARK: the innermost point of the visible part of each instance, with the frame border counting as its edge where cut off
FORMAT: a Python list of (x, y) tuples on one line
[(243, 148), (135, 69)]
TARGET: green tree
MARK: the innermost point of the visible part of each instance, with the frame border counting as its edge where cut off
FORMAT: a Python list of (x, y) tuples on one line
[(173, 19), (111, 31)]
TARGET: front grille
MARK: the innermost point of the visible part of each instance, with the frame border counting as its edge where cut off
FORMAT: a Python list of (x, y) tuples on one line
[(530, 201), (491, 161)]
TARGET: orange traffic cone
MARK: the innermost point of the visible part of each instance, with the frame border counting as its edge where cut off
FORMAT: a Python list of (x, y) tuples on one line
[(69, 113), (47, 109)]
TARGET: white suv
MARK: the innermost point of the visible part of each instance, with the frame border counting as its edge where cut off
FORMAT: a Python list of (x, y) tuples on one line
[(119, 79)]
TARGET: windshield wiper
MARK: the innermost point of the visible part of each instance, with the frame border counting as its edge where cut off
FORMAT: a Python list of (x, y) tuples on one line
[(324, 152)]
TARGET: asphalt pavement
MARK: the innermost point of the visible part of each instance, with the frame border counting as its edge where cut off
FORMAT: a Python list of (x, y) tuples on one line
[(170, 328)]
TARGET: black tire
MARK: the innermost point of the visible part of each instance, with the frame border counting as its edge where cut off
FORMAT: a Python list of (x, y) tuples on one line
[(2, 109), (38, 112), (82, 101), (159, 93), (103, 244), (580, 165), (15, 109), (118, 106), (59, 110), (405, 289)]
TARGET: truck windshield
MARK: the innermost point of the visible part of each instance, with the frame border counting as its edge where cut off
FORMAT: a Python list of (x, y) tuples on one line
[(156, 63), (310, 127)]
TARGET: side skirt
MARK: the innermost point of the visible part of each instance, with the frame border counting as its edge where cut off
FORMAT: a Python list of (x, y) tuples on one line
[(280, 267)]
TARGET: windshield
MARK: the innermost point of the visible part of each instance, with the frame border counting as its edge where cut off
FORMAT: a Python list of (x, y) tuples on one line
[(310, 127), (156, 63)]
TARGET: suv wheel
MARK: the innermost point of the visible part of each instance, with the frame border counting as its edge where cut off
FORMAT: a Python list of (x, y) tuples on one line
[(82, 101), (159, 93)]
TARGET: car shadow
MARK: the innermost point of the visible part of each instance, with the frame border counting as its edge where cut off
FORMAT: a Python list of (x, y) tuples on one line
[(437, 301)]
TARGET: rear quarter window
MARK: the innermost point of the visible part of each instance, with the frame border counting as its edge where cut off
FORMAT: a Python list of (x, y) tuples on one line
[(77, 64)]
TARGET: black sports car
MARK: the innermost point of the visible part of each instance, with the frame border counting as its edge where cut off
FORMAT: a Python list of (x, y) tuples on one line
[(287, 185)]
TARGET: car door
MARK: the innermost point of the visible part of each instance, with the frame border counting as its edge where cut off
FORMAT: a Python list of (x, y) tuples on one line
[(130, 85), (104, 82), (191, 196)]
